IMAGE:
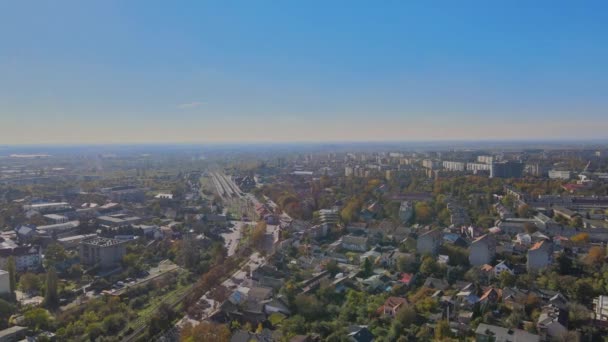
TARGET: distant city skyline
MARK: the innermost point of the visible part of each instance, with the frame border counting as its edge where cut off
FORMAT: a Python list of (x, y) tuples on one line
[(116, 72)]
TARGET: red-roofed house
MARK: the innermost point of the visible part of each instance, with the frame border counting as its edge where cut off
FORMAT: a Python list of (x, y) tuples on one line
[(391, 306), (407, 278)]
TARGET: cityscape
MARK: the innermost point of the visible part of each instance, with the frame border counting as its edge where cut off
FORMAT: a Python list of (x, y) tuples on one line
[(311, 243), (303, 171)]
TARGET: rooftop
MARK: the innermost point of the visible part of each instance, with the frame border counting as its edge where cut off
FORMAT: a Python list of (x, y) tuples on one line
[(101, 242), (501, 334), (537, 245)]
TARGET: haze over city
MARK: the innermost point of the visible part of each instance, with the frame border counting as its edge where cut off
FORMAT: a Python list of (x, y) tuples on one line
[(138, 72), (303, 171)]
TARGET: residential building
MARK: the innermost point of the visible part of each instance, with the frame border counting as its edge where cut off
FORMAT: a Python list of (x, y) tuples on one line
[(482, 250), (490, 296), (59, 228), (355, 243), (429, 242), (13, 334), (556, 174), (600, 308), (508, 169), (501, 267), (26, 232), (430, 164), (126, 193), (118, 220), (348, 171), (48, 207), (102, 251), (552, 322), (26, 257), (485, 159), (391, 258), (407, 279), (539, 256), (406, 211), (454, 165), (493, 333), (318, 231), (5, 282), (74, 240), (359, 333), (478, 167), (56, 218), (329, 217), (435, 283), (391, 306), (565, 213)]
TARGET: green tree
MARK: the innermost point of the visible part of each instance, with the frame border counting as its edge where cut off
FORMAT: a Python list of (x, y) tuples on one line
[(50, 294), (564, 264), (442, 330), (506, 279), (368, 268), (429, 266), (309, 307), (332, 267), (112, 324), (29, 283), (407, 316), (54, 254), (6, 310), (94, 330), (37, 319), (205, 332), (161, 320), (406, 264)]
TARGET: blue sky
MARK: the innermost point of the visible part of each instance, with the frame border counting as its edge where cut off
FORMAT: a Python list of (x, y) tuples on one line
[(148, 71)]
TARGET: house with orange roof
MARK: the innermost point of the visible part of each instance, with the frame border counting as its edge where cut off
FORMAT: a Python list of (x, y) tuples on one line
[(539, 256), (490, 296), (487, 270), (482, 250)]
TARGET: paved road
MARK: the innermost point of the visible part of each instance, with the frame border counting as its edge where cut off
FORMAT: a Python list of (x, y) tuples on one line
[(232, 238)]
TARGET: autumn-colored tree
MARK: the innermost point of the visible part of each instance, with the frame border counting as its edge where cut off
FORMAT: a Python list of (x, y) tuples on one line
[(595, 256), (422, 212), (350, 210), (205, 332), (580, 238), (523, 211), (530, 228), (407, 316), (257, 236)]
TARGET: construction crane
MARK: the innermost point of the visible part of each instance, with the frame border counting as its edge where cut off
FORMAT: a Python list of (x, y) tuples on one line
[(583, 175)]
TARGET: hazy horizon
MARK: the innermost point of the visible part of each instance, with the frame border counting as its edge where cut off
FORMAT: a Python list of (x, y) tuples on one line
[(132, 73)]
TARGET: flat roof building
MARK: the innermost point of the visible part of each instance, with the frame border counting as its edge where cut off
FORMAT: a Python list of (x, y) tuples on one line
[(100, 251)]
